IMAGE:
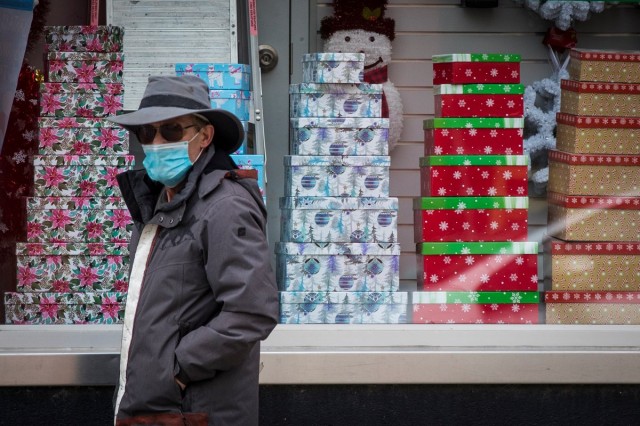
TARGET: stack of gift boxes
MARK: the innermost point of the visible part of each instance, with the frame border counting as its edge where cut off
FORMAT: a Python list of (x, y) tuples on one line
[(474, 263), (73, 267), (338, 259), (594, 193), (230, 89)]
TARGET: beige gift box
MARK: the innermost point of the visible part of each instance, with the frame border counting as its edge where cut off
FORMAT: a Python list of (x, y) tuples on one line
[(592, 307), (602, 65), (590, 98), (597, 135)]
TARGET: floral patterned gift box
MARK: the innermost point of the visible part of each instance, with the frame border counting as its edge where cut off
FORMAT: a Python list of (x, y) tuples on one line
[(81, 38), (64, 308), (338, 266), (479, 100), (301, 307), (457, 219), (338, 220), (81, 136), (591, 218), (597, 135), (478, 266), (340, 136), (219, 75), (600, 99), (592, 307), (78, 175), (465, 68), (333, 176), (473, 175), (602, 266), (72, 267), (84, 67), (335, 100), (473, 136), (77, 219), (89, 100), (484, 307), (604, 66), (594, 174), (333, 67)]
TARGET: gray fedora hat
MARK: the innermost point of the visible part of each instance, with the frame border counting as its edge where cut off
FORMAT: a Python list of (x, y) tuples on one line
[(168, 97)]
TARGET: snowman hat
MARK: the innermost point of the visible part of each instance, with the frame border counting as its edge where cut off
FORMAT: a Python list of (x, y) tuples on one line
[(365, 15)]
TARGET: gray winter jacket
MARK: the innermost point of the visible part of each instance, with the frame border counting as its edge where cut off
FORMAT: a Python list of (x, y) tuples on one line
[(208, 296)]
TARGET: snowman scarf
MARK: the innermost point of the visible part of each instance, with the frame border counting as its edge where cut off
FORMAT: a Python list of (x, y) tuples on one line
[(378, 76)]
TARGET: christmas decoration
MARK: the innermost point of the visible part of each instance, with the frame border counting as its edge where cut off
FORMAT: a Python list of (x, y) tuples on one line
[(362, 27), (563, 13)]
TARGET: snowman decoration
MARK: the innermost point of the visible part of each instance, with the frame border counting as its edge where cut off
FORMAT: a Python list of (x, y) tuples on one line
[(360, 27)]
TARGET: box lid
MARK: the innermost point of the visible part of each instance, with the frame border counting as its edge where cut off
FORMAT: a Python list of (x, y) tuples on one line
[(246, 160), (476, 57), (83, 160), (345, 297), (341, 122), (606, 55), (594, 159), (336, 160), (435, 248), (559, 247), (66, 88), (72, 249), (333, 56), (597, 122), (339, 203), (337, 88), (478, 89), (591, 87), (76, 203), (475, 203), (473, 123), (212, 66), (355, 249), (94, 298), (85, 56), (229, 94), (617, 297), (72, 122), (593, 202), (475, 160), (485, 297)]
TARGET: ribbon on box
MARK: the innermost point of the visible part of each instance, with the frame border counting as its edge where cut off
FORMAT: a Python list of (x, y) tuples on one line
[(473, 123), (474, 297), (464, 203), (475, 160), (470, 248)]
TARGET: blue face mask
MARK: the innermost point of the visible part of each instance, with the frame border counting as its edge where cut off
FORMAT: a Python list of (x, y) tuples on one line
[(168, 163)]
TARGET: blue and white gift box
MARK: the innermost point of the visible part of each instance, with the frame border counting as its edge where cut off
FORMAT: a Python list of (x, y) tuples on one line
[(235, 101), (333, 67), (338, 220), (331, 176), (219, 75), (340, 136), (335, 100), (301, 307), (338, 266), (252, 162)]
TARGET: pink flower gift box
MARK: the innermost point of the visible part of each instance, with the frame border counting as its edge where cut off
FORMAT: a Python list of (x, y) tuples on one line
[(84, 67), (598, 135), (466, 68), (592, 307), (65, 308), (78, 175), (473, 175), (81, 136), (594, 174), (72, 267), (475, 266), (81, 38), (458, 219), (78, 220), (600, 99), (89, 100), (604, 65), (473, 136), (479, 100)]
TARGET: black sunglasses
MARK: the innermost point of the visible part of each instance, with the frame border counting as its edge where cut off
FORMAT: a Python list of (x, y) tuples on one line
[(171, 132)]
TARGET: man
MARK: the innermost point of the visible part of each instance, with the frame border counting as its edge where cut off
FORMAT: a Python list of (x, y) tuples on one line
[(202, 293)]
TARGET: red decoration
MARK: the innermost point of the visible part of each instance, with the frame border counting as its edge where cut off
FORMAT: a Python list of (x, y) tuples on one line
[(559, 40)]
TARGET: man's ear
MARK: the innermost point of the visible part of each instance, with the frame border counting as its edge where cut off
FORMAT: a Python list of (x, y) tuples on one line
[(207, 131)]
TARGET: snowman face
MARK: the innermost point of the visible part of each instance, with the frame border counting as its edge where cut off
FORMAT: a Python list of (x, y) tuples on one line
[(376, 47)]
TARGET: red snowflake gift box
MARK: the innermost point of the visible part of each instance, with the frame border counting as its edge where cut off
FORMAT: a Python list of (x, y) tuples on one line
[(84, 38), (479, 100), (591, 218), (601, 266), (84, 67), (597, 135), (473, 175), (466, 68), (604, 65), (451, 219), (600, 99), (473, 136), (87, 100), (473, 266), (592, 307), (484, 307), (594, 174)]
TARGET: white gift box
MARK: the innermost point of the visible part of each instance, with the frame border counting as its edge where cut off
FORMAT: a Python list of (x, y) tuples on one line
[(335, 100), (333, 67)]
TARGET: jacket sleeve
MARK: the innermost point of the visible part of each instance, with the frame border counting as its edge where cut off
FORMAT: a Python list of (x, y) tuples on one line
[(240, 274)]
